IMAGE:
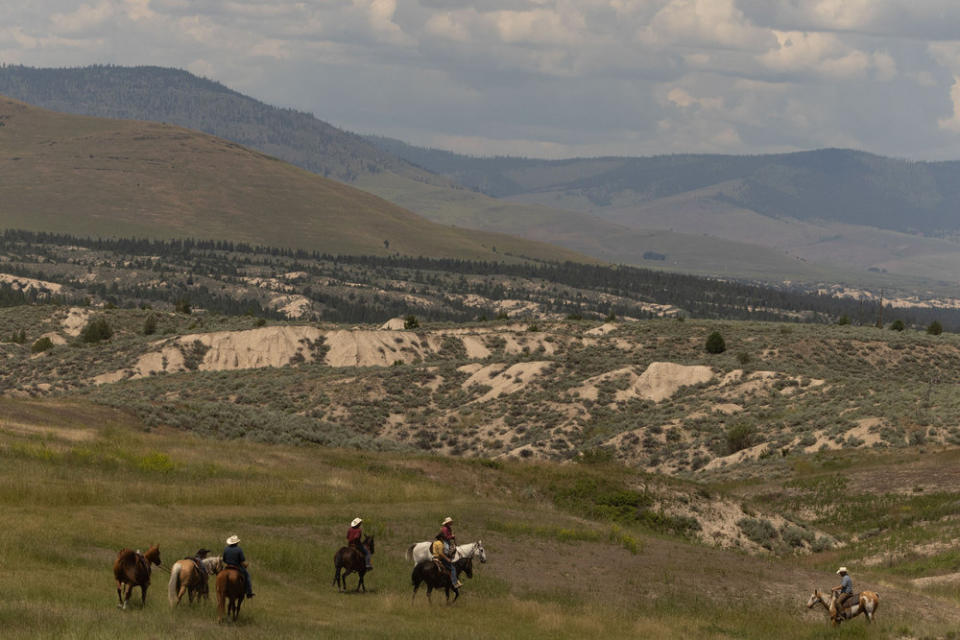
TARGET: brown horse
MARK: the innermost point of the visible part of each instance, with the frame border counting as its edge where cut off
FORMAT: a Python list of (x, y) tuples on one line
[(230, 585), (132, 569), (350, 560), (435, 578), (185, 578)]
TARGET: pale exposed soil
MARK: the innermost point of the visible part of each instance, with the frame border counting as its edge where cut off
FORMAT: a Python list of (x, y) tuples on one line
[(75, 321)]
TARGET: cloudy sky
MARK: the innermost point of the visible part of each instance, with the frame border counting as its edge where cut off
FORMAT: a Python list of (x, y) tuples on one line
[(550, 78)]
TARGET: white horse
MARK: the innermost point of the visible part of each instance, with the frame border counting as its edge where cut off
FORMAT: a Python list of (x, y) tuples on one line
[(177, 587), (420, 551)]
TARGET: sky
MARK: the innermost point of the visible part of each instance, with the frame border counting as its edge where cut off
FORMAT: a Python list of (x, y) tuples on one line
[(550, 78)]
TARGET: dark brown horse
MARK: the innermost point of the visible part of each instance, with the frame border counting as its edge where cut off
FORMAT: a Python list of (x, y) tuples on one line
[(132, 569), (231, 586), (351, 560), (435, 578)]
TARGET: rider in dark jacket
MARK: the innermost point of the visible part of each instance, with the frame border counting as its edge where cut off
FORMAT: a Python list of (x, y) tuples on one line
[(233, 555)]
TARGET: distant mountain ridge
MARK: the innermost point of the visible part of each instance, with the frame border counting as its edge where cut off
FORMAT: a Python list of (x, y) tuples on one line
[(838, 185), (827, 216)]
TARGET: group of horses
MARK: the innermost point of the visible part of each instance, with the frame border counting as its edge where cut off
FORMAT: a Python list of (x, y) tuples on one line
[(132, 569), (349, 560), (865, 602)]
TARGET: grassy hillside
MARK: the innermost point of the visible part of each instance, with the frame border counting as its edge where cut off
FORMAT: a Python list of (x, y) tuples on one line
[(73, 174), (79, 482)]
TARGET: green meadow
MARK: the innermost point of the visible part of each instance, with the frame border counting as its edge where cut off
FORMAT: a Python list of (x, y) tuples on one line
[(78, 482)]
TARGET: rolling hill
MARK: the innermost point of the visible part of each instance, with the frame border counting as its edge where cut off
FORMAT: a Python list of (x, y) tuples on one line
[(84, 175)]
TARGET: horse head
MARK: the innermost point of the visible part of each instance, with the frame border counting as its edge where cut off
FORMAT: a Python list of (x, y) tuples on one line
[(481, 553), (153, 555), (815, 597), (368, 543)]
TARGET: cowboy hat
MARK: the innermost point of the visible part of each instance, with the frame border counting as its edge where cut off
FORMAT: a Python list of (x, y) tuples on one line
[(356, 522), (447, 520), (842, 570), (233, 540)]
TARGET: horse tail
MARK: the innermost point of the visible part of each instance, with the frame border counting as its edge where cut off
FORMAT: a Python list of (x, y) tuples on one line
[(173, 587), (409, 553)]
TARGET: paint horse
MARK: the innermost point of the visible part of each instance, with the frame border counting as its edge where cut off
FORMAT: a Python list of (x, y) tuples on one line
[(866, 602), (185, 578), (132, 569)]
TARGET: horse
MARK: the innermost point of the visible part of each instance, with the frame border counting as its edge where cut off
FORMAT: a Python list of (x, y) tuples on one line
[(420, 552), (866, 602), (132, 569), (351, 560), (231, 586), (428, 572), (184, 578)]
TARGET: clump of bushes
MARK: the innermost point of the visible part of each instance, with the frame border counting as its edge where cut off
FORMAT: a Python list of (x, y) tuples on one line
[(411, 322), (96, 330), (759, 530), (935, 328), (739, 436), (897, 325)]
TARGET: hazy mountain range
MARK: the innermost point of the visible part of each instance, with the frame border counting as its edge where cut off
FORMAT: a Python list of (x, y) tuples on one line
[(826, 215)]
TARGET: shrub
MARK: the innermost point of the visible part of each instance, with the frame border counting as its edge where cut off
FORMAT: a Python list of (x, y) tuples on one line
[(96, 330), (897, 325), (935, 328), (759, 530), (411, 322), (739, 436), (150, 325), (18, 337), (844, 320), (41, 345), (743, 358), (183, 306), (715, 343)]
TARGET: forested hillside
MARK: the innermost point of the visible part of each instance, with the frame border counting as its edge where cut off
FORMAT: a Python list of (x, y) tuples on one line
[(181, 98)]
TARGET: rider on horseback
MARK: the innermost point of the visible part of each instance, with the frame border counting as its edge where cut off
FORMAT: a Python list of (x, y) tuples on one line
[(233, 556), (355, 540), (446, 535), (845, 588), (442, 560)]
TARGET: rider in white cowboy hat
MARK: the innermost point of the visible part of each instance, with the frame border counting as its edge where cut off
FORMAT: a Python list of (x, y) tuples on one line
[(233, 555), (449, 546), (355, 539), (846, 586)]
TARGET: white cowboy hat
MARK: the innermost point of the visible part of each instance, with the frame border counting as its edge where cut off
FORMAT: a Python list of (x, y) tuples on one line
[(447, 520), (842, 570), (355, 522), (233, 540)]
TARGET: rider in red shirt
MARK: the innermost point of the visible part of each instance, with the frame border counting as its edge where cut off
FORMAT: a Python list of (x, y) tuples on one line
[(355, 539), (446, 534)]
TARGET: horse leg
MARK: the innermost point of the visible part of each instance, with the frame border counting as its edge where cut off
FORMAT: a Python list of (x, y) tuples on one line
[(143, 595), (360, 582), (120, 594), (220, 601), (336, 578), (236, 611)]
